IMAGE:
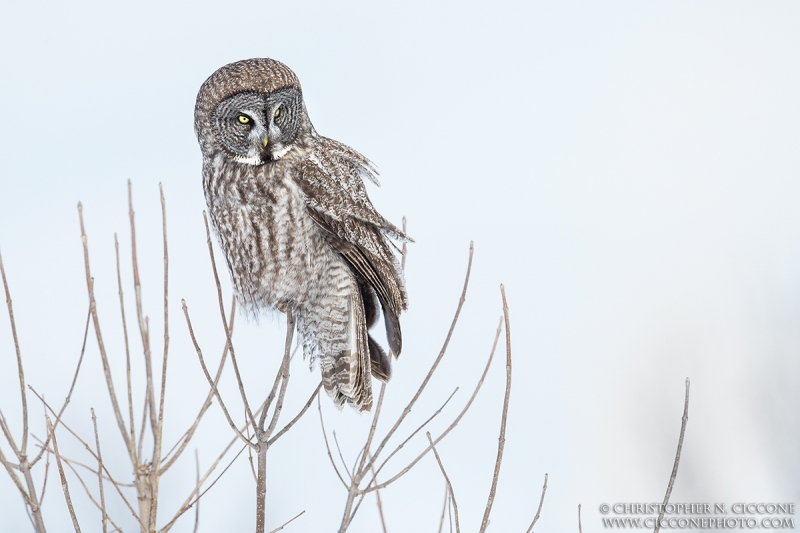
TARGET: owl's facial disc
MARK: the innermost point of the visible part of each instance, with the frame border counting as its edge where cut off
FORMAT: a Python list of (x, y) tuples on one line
[(257, 128)]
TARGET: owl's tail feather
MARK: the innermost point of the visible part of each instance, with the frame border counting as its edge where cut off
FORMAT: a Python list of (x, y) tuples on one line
[(345, 362), (379, 361)]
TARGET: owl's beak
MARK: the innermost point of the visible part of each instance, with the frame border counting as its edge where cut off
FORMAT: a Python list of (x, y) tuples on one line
[(264, 142)]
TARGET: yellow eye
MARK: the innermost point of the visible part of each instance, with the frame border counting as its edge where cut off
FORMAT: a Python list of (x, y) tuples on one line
[(244, 119), (277, 111)]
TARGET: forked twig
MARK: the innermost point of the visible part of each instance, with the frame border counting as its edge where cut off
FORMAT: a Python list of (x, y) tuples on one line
[(446, 479), (23, 465), (211, 381), (684, 419), (64, 484), (328, 447)]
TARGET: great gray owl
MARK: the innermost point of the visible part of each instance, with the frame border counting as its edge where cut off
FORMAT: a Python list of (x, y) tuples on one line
[(295, 224)]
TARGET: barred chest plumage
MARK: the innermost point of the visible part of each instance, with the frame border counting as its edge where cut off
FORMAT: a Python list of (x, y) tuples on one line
[(273, 248)]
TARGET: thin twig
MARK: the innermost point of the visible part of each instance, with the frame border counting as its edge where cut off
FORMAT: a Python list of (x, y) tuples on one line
[(539, 510), (580, 528), (100, 473), (501, 441), (21, 374), (420, 427), (446, 479), (444, 507), (380, 507), (211, 381), (187, 436), (87, 491), (64, 484), (450, 427), (284, 372), (674, 474), (436, 362), (372, 428), (327, 446), (91, 452), (288, 426), (144, 326), (104, 358), (197, 484), (288, 522), (13, 475), (341, 457), (188, 506), (131, 419), (44, 481), (225, 322), (189, 502), (71, 387), (158, 437)]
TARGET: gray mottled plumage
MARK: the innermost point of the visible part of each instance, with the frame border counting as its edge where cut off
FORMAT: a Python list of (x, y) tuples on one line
[(295, 224)]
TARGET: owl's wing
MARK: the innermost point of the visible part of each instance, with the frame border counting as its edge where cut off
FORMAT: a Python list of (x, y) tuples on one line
[(331, 179)]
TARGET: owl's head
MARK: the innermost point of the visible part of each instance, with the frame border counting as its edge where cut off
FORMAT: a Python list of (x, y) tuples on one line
[(252, 110)]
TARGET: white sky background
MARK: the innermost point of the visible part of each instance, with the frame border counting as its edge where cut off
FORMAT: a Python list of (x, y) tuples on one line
[(629, 171)]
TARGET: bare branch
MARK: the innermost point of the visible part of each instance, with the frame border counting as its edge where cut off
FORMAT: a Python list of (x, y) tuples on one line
[(580, 528), (446, 479), (539, 510), (64, 484), (288, 522), (20, 372), (501, 441), (674, 474)]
